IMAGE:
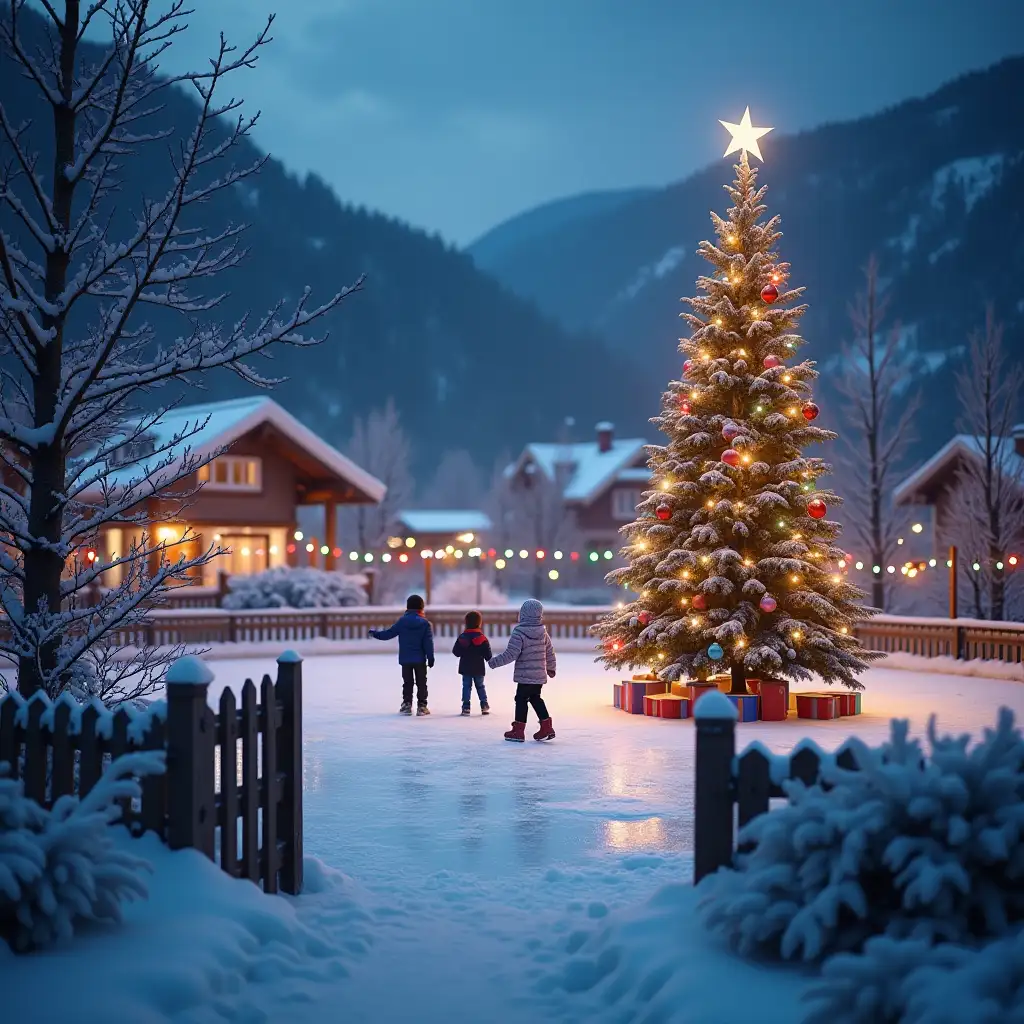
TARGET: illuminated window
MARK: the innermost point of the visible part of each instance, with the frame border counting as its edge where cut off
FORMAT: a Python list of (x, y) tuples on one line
[(232, 473)]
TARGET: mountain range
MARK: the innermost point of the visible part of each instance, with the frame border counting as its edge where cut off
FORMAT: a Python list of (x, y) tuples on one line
[(931, 187), (469, 364)]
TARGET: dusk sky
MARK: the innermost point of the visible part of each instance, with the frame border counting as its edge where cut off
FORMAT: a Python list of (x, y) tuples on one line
[(456, 114)]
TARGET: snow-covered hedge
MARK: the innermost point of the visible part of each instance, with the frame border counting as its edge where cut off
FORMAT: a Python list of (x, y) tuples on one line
[(908, 847), (61, 866), (284, 587), (909, 981), (459, 588)]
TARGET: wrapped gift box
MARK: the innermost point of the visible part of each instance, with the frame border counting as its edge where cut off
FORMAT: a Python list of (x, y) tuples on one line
[(791, 701), (773, 703), (817, 705), (722, 682), (634, 691), (694, 691), (647, 677), (669, 705), (617, 695), (847, 701), (680, 689), (746, 706)]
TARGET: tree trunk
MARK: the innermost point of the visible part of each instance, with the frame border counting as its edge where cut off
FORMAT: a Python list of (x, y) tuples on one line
[(878, 591), (739, 681), (44, 564)]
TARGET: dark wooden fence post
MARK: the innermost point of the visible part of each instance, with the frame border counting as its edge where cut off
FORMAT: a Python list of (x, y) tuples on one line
[(289, 763), (715, 721), (191, 799)]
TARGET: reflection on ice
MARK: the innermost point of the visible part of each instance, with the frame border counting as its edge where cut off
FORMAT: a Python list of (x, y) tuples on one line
[(648, 834)]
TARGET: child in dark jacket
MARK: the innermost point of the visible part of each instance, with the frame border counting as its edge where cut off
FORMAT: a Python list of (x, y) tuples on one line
[(473, 650), (415, 653)]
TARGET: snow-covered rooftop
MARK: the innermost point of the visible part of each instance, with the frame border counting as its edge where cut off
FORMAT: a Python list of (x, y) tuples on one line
[(225, 422), (452, 520), (592, 469), (960, 444)]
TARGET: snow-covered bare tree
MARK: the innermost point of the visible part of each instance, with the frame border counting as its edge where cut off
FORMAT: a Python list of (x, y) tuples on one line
[(380, 445), (987, 508), (879, 416), (77, 355), (457, 483)]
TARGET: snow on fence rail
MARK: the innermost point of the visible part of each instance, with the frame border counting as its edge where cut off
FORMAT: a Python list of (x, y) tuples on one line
[(234, 775), (966, 639), (727, 787)]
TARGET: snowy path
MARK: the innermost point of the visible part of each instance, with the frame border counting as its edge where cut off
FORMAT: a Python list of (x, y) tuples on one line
[(488, 881), (493, 861)]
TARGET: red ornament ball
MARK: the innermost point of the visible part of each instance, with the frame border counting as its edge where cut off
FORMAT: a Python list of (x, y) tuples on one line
[(731, 457), (684, 408), (644, 618), (768, 604), (816, 509), (700, 602), (687, 366), (663, 512), (769, 293), (730, 431), (810, 411), (770, 362)]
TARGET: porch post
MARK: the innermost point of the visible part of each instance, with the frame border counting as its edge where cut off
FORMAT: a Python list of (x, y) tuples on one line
[(330, 533)]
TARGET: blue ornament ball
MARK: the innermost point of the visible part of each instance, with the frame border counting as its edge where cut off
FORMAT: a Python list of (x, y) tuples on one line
[(715, 652)]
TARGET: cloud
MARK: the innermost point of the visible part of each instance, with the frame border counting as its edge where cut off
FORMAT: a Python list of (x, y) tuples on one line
[(504, 133)]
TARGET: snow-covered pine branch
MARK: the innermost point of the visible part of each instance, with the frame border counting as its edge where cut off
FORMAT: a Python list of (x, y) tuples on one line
[(72, 425)]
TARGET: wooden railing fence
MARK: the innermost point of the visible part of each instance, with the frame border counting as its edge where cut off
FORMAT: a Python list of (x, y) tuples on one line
[(730, 791), (232, 788)]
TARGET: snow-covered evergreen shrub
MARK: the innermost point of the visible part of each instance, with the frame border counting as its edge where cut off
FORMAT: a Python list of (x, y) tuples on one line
[(61, 866), (459, 588), (909, 981), (907, 847), (284, 587)]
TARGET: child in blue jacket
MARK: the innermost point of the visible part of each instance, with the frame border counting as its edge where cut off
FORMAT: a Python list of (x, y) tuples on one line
[(415, 653)]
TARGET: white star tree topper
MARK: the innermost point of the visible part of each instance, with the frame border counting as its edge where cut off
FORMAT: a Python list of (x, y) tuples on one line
[(744, 136)]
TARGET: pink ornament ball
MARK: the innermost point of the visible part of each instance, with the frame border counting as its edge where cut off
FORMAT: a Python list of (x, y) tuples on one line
[(816, 509), (768, 604), (731, 457), (770, 362), (730, 431)]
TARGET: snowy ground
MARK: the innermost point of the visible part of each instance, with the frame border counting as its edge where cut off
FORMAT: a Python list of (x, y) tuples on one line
[(487, 881)]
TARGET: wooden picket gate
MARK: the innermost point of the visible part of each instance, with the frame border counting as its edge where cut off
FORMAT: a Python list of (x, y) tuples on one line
[(240, 807), (730, 791)]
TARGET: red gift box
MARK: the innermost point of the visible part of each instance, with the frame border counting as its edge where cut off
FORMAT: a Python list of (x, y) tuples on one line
[(694, 691), (617, 695), (817, 705), (668, 705), (847, 701), (773, 704)]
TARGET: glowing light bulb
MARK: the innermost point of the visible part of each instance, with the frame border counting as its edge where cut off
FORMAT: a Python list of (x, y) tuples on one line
[(917, 527), (890, 568), (732, 239), (695, 621), (791, 412), (718, 321), (711, 504), (686, 574), (684, 601), (747, 562), (843, 630), (859, 565), (705, 559), (836, 579), (899, 540), (745, 459), (741, 643), (693, 394), (794, 579), (743, 352), (738, 506), (786, 378), (781, 523), (759, 408), (842, 563)]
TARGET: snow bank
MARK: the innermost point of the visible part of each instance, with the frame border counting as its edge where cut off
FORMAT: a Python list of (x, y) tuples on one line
[(655, 962), (954, 667), (203, 947)]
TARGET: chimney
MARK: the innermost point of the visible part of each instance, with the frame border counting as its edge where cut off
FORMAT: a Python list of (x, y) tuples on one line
[(1018, 439), (605, 433)]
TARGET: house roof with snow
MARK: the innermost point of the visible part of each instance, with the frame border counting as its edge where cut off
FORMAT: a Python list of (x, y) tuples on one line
[(590, 467), (444, 521), (916, 488), (214, 426)]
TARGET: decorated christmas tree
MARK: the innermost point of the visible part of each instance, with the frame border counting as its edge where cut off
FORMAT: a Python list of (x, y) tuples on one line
[(733, 556)]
